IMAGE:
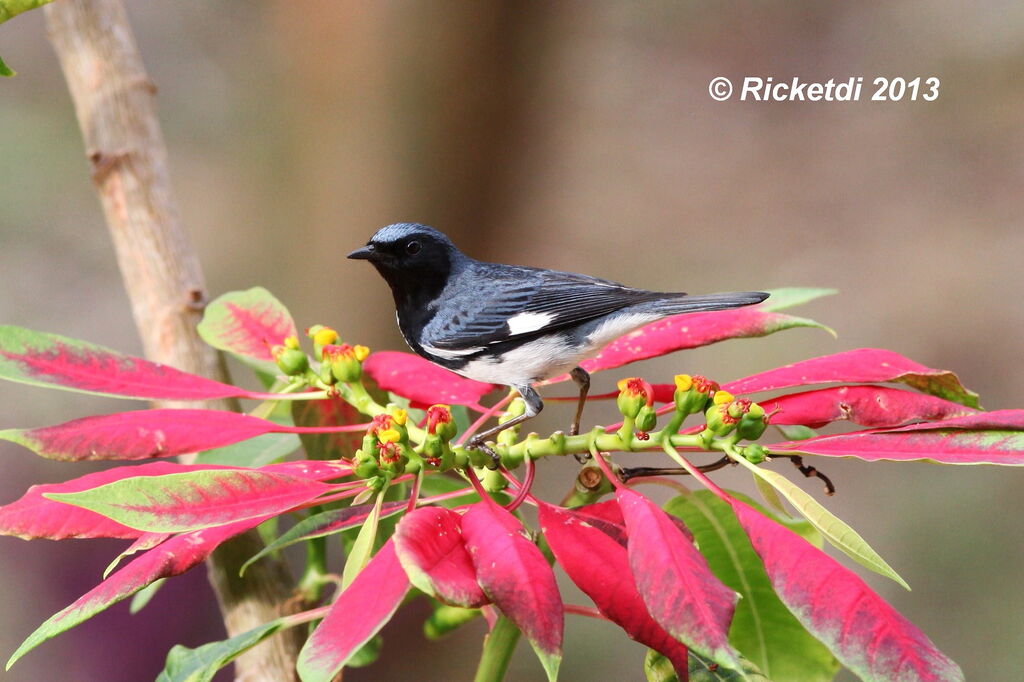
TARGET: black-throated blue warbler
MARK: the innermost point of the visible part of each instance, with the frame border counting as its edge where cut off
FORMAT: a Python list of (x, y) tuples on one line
[(512, 325)]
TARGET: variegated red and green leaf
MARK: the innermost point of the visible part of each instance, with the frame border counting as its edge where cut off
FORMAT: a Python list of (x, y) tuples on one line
[(873, 406), (421, 381), (146, 434), (860, 366), (248, 323), (429, 544), (599, 566), (859, 627), (515, 575), (358, 614), (180, 502), (680, 591), (980, 438), (34, 516), (54, 361), (173, 557)]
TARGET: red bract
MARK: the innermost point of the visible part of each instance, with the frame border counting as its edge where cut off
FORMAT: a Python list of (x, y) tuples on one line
[(357, 615), (691, 331), (173, 557), (674, 580), (429, 544), (517, 578), (247, 323), (874, 406), (837, 607), (860, 366), (58, 362), (422, 382), (599, 566), (982, 438)]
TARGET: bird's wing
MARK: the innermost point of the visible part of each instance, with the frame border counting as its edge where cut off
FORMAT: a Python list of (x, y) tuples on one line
[(524, 302)]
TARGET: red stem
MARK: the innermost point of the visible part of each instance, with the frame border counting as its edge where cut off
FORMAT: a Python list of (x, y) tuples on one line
[(482, 419), (524, 487), (588, 611)]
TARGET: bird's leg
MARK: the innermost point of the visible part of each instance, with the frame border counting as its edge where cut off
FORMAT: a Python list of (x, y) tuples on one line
[(533, 406), (582, 379)]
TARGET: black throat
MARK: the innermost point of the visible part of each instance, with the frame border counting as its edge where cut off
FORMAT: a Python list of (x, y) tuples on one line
[(414, 291)]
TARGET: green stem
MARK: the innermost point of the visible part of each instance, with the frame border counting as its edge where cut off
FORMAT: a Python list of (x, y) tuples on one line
[(498, 648)]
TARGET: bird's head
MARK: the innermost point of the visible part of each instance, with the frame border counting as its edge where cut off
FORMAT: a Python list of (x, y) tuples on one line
[(410, 256)]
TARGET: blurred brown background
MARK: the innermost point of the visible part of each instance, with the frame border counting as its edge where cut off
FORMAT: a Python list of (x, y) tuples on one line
[(571, 135)]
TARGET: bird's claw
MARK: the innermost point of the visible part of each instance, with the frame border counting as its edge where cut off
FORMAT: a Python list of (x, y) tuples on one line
[(482, 446)]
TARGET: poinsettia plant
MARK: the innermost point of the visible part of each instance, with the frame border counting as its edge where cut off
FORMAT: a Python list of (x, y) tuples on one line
[(714, 584)]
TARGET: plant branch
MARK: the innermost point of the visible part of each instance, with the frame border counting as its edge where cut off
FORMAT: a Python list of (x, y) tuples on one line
[(498, 647), (114, 102)]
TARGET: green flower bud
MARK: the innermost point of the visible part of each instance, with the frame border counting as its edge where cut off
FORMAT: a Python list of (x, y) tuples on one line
[(754, 453), (753, 423), (693, 393), (516, 408), (345, 361), (290, 360), (446, 618), (634, 393), (646, 419), (437, 452), (719, 421), (441, 422), (365, 464)]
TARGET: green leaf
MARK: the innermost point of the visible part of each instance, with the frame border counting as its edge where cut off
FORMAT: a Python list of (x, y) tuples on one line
[(141, 598), (770, 495), (795, 431), (657, 668), (12, 8), (317, 526), (835, 530), (787, 297), (6, 70), (255, 452), (362, 548), (763, 629), (202, 663)]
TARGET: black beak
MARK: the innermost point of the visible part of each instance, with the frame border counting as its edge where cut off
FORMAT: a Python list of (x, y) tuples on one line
[(364, 253)]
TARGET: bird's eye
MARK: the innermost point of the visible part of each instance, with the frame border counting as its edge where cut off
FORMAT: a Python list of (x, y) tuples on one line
[(412, 248)]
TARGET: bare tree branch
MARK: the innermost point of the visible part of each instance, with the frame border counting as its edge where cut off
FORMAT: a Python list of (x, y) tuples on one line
[(114, 102)]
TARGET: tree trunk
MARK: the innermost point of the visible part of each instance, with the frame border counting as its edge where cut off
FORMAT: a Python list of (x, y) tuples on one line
[(114, 102)]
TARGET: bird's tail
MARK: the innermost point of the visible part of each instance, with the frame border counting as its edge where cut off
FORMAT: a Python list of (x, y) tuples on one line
[(677, 305)]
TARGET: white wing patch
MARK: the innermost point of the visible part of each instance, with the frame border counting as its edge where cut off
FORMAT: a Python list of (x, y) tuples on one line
[(451, 354), (527, 322)]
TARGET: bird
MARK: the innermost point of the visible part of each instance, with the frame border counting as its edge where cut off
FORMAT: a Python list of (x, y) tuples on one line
[(508, 324)]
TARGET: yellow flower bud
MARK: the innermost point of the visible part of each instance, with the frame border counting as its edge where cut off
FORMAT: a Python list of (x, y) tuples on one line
[(361, 352), (722, 397)]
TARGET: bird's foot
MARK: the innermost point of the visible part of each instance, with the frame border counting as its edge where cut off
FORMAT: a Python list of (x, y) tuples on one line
[(482, 446)]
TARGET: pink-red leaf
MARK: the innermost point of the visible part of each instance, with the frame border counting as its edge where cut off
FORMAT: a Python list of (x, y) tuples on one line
[(861, 629), (599, 566), (173, 557), (873, 406), (680, 591), (191, 500), (146, 434), (980, 438), (247, 323), (58, 362), (691, 331), (515, 575), (422, 382), (34, 516), (358, 614), (143, 434), (860, 366), (429, 544)]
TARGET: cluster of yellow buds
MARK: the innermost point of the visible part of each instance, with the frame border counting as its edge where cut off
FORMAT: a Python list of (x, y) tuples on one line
[(728, 413), (385, 448)]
